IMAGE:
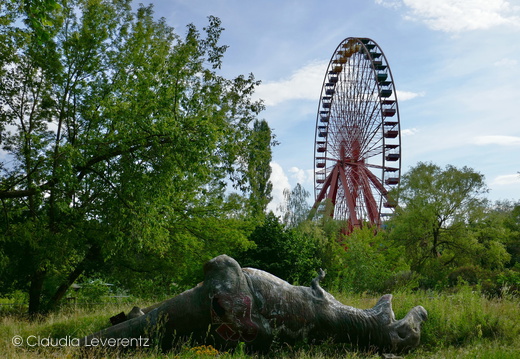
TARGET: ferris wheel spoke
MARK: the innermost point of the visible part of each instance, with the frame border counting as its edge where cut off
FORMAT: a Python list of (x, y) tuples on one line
[(331, 186), (371, 165), (374, 151), (370, 124)]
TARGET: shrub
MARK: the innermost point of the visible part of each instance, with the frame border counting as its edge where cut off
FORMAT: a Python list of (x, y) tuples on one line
[(469, 274), (401, 281), (371, 261), (506, 281), (285, 253)]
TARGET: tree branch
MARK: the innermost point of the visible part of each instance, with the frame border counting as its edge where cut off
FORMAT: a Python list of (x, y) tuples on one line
[(87, 167)]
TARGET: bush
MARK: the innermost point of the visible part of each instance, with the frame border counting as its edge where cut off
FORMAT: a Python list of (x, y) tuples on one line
[(504, 282), (285, 253), (15, 302), (471, 275), (371, 261), (401, 281), (434, 276)]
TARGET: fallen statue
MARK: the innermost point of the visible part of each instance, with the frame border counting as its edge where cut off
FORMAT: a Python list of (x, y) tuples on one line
[(235, 304)]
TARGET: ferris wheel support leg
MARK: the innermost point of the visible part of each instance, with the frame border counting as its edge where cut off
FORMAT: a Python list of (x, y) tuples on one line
[(370, 201), (334, 185), (332, 178), (377, 183), (354, 221)]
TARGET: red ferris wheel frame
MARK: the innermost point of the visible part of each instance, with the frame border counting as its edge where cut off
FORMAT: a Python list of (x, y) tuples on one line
[(357, 148)]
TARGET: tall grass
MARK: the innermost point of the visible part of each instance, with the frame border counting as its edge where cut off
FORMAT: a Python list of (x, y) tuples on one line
[(464, 318), (70, 322), (462, 324)]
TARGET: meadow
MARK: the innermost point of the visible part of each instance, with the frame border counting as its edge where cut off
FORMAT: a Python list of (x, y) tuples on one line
[(462, 324)]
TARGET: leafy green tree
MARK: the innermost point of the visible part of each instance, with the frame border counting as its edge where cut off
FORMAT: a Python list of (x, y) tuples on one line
[(491, 231), (285, 253), (371, 261), (325, 235), (119, 137), (259, 168), (41, 17), (512, 223), (296, 207), (437, 221)]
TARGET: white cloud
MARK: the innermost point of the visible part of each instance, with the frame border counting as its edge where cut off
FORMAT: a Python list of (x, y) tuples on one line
[(505, 180), (497, 140), (407, 95), (409, 131), (390, 3), (302, 176), (459, 15), (506, 63), (280, 183), (304, 84)]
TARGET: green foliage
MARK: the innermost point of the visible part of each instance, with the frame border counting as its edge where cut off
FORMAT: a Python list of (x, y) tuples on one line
[(328, 253), (505, 282), (372, 262), (259, 168), (512, 224), (42, 17), (120, 138), (288, 254), (466, 317), (93, 291), (445, 223), (149, 275), (295, 208), (470, 275), (510, 277)]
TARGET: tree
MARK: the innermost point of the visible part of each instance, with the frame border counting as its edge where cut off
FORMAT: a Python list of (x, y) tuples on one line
[(119, 137), (259, 169), (437, 206), (371, 261), (493, 235), (513, 224), (286, 253), (41, 16), (509, 215), (295, 208)]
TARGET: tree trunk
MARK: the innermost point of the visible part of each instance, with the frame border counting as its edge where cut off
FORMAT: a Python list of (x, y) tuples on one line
[(35, 291), (91, 256)]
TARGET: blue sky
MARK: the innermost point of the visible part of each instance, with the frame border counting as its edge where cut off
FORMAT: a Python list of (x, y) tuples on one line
[(455, 64)]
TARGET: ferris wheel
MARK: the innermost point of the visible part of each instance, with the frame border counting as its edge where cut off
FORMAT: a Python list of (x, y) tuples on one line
[(357, 150)]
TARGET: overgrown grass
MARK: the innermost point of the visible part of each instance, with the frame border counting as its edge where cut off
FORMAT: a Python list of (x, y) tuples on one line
[(463, 324)]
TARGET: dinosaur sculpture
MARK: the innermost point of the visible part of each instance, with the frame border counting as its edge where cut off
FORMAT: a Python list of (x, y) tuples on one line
[(235, 304)]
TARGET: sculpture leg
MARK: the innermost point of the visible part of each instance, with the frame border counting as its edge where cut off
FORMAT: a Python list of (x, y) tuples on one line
[(183, 316)]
